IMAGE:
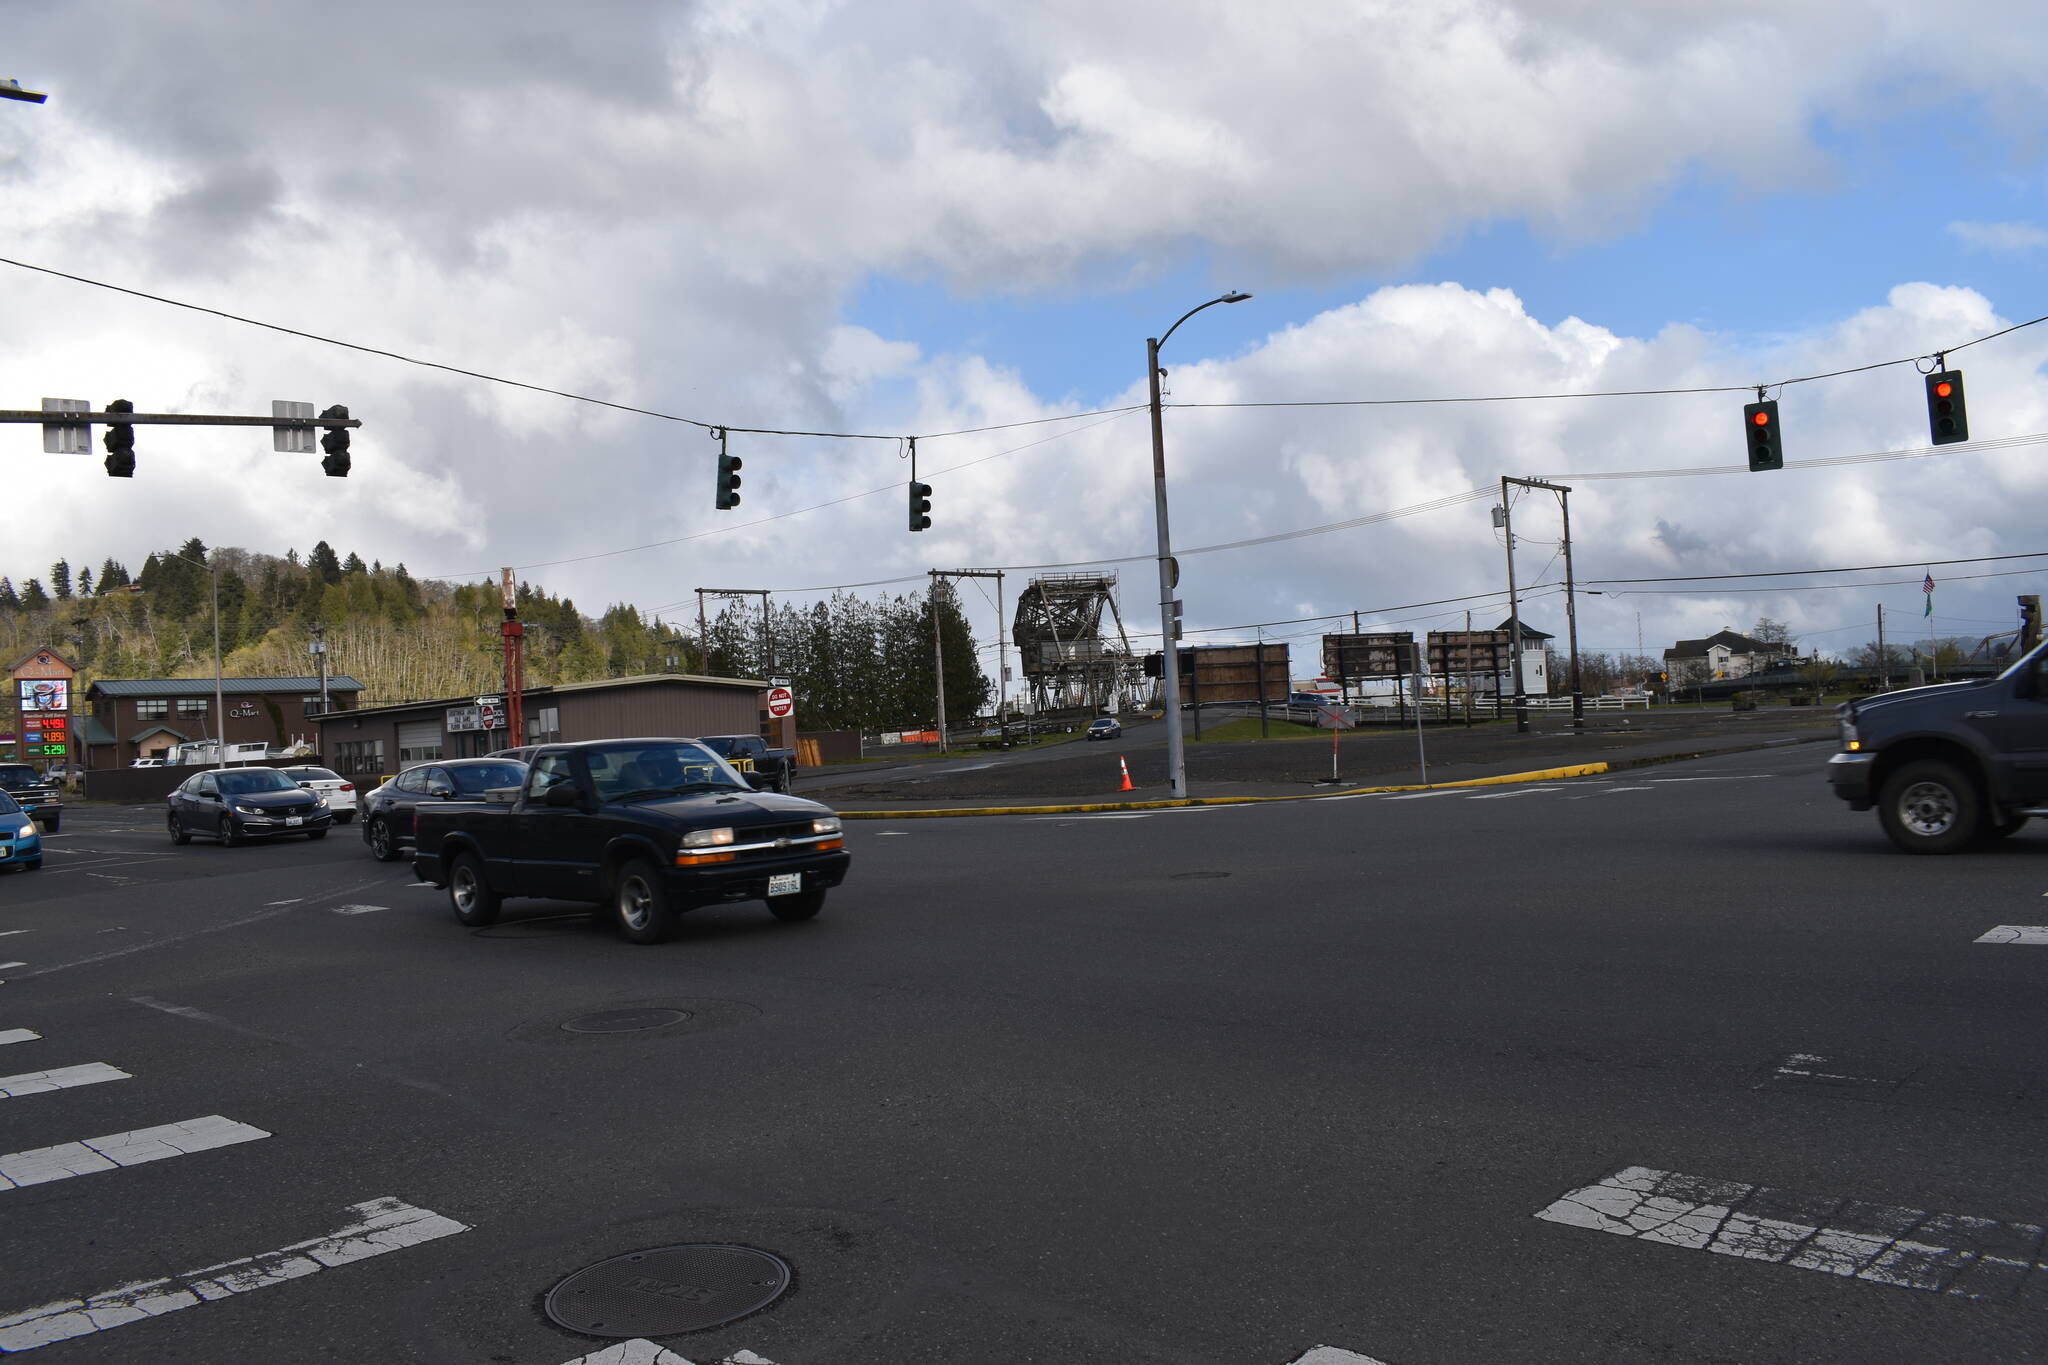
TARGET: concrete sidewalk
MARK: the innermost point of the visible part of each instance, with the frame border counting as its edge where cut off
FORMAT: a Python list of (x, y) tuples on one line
[(1270, 769)]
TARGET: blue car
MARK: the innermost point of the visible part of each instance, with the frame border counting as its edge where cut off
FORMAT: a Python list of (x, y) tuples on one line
[(20, 844)]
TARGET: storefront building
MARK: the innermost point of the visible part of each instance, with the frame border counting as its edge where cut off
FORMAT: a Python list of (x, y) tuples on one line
[(374, 742), (131, 718)]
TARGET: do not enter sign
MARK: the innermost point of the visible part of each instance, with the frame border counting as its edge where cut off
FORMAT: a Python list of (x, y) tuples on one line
[(781, 701)]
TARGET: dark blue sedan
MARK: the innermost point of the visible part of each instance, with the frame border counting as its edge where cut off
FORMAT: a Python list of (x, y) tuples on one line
[(235, 805)]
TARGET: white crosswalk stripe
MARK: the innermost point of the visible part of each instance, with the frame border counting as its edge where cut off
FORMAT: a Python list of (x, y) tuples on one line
[(18, 1035), (63, 1078), (41, 1165)]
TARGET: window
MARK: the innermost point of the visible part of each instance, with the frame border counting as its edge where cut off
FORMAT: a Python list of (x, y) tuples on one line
[(354, 757), (311, 704), (413, 780), (152, 708), (544, 726), (419, 741), (551, 771)]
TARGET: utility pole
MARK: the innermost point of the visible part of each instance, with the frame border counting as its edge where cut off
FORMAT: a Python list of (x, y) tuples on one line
[(938, 661), (514, 632), (1571, 614), (320, 653), (1259, 662), (1884, 663), (1507, 522)]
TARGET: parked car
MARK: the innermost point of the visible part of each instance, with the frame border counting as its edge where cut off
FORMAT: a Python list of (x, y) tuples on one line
[(647, 828), (750, 754), (1949, 765), (339, 792), (20, 845), (1105, 727), (235, 805), (37, 796), (388, 811)]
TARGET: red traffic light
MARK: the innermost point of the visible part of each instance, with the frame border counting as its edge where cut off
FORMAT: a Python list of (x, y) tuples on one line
[(1762, 419), (1944, 389)]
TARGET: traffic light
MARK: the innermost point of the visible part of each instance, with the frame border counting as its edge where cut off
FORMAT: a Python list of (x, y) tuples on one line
[(1766, 448), (920, 505), (728, 482), (335, 443), (120, 442), (1947, 422)]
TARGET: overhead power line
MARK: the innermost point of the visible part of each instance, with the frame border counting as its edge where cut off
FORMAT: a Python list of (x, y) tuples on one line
[(1847, 568)]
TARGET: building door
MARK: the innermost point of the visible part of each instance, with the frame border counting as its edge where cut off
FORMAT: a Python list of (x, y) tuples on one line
[(419, 741)]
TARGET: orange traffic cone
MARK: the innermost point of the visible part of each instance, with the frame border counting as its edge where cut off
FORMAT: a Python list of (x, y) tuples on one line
[(1126, 787)]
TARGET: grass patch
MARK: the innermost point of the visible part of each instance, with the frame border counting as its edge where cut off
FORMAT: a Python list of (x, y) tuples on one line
[(1247, 727)]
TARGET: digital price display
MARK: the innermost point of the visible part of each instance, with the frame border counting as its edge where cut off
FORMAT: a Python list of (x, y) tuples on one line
[(48, 750)]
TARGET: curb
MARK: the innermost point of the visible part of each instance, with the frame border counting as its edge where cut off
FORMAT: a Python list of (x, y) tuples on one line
[(1540, 775)]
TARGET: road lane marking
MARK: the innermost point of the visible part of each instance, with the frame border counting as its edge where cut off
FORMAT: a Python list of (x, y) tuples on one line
[(293, 901), (5, 965), (41, 1165), (879, 834), (2015, 933), (640, 1351), (18, 1035), (1335, 1355), (1979, 1258), (63, 1078), (1611, 790), (1519, 791), (1420, 796), (381, 1225), (1735, 777), (5, 932), (357, 909)]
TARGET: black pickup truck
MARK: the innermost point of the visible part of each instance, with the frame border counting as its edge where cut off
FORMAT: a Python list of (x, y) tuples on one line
[(751, 754), (38, 797), (1949, 765), (646, 828)]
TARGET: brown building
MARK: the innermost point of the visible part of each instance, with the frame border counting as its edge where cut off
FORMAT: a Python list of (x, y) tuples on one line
[(375, 741), (131, 718)]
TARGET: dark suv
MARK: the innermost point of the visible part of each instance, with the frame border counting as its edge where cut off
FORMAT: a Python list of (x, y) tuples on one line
[(39, 797), (1949, 765)]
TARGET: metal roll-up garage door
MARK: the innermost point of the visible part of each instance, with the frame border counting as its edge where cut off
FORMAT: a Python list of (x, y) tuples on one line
[(419, 741)]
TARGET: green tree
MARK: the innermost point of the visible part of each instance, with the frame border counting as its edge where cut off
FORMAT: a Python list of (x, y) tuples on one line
[(33, 598), (322, 564), (194, 550), (354, 564), (112, 574), (85, 582), (10, 600), (60, 579)]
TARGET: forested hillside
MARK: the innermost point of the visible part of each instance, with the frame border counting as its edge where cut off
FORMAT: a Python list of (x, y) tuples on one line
[(855, 663)]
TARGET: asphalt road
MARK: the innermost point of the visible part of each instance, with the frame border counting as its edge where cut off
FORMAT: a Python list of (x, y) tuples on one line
[(1211, 1086)]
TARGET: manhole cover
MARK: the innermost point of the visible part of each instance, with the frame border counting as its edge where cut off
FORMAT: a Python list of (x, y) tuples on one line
[(624, 1021), (1197, 876), (666, 1290)]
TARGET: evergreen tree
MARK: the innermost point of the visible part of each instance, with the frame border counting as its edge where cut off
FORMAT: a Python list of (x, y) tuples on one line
[(112, 575), (234, 594), (354, 564), (60, 579), (194, 550), (85, 582), (9, 599), (33, 597), (323, 564)]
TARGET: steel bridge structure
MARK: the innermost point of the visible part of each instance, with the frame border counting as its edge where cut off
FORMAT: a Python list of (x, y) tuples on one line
[(1067, 659)]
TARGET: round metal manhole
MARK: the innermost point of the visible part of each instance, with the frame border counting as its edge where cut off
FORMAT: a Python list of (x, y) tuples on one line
[(667, 1290), (1197, 876), (624, 1021)]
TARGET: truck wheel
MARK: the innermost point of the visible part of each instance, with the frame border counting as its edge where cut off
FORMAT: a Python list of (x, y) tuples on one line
[(1930, 806), (641, 904), (50, 825), (469, 895), (803, 905), (782, 784), (383, 847)]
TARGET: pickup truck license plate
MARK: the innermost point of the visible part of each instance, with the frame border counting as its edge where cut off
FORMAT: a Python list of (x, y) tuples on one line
[(785, 883), (295, 819)]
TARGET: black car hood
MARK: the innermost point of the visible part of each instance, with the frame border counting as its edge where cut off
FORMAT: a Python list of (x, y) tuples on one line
[(275, 800), (740, 809), (1912, 695)]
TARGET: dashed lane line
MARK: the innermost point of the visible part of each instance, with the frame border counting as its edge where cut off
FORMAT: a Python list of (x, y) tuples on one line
[(1942, 1253), (378, 1226), (41, 1165), (63, 1078), (18, 1035), (1335, 1355), (1519, 791), (357, 909), (2015, 933), (1731, 777)]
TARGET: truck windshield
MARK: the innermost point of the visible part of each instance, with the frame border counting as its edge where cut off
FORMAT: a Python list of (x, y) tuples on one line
[(632, 772), (17, 775), (2025, 661)]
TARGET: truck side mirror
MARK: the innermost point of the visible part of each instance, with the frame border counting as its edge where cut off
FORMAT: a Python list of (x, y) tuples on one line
[(759, 781), (563, 796)]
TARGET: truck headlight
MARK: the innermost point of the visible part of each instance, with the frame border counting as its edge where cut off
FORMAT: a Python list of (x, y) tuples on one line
[(707, 838), (825, 824), (1849, 740)]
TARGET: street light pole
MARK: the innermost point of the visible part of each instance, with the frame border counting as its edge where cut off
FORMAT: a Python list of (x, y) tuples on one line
[(1176, 752)]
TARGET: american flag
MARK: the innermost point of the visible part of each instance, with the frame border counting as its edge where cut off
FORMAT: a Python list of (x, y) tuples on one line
[(1928, 585)]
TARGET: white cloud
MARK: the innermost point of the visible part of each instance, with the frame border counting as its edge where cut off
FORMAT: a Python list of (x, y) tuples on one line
[(2000, 236)]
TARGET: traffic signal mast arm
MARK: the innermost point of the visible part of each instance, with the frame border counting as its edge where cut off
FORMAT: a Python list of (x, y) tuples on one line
[(163, 419)]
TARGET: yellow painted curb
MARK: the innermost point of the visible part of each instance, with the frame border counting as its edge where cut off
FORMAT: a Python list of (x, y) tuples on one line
[(1541, 775)]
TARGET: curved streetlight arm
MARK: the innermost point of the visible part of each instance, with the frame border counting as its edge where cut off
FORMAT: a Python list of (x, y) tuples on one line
[(1232, 297)]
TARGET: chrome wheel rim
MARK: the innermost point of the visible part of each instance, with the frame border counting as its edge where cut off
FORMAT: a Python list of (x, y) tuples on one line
[(380, 838), (1928, 809), (636, 903), (463, 887)]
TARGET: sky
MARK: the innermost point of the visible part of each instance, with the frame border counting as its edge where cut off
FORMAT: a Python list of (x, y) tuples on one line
[(895, 219)]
